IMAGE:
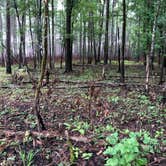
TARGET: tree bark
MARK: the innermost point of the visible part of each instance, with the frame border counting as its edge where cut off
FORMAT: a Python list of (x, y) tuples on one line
[(68, 44), (32, 38), (150, 56), (101, 29), (53, 35), (112, 30), (123, 42), (40, 122), (106, 33), (8, 39)]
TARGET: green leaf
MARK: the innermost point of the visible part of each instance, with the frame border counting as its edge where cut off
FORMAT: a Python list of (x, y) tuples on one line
[(142, 161), (87, 156), (112, 162), (129, 157), (112, 139), (82, 131), (110, 151)]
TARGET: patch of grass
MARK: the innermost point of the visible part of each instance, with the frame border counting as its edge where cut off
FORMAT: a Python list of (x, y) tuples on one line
[(27, 157)]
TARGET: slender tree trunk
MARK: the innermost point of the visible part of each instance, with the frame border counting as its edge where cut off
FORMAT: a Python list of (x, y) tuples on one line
[(50, 45), (84, 45), (39, 31), (150, 56), (93, 39), (101, 29), (2, 40), (138, 40), (80, 38), (106, 33), (53, 34), (21, 37), (123, 42), (68, 44), (8, 39), (162, 69), (14, 34), (90, 48), (119, 57), (40, 122), (112, 30), (32, 38)]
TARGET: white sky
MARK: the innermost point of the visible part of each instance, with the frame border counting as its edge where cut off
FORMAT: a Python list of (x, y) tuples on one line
[(60, 4)]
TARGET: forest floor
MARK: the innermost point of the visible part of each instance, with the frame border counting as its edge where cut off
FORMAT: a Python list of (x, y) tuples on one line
[(89, 121)]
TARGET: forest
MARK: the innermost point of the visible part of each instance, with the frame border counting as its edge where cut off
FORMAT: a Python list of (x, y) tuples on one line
[(82, 82)]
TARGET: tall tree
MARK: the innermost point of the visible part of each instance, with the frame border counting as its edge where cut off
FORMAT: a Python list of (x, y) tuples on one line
[(68, 43), (8, 39), (123, 42), (106, 44), (39, 30), (101, 21), (112, 28), (21, 22), (150, 54), (40, 122), (53, 33)]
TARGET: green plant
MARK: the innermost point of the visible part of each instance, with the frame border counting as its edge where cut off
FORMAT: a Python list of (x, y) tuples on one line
[(159, 133), (143, 99), (79, 126), (109, 128), (113, 138), (129, 151), (27, 157), (87, 156), (113, 99)]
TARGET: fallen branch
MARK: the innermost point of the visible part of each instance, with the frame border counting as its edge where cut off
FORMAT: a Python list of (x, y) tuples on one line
[(42, 134), (96, 84)]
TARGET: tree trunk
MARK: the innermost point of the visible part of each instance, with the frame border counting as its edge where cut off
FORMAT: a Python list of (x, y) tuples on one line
[(84, 45), (123, 42), (106, 33), (39, 31), (150, 56), (80, 38), (32, 38), (90, 48), (68, 44), (8, 39), (100, 34), (119, 57), (112, 30), (2, 40), (21, 37), (40, 122), (53, 34), (93, 38), (162, 69)]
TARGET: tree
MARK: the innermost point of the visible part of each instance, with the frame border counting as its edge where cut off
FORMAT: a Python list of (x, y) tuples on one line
[(123, 42), (101, 21), (68, 44), (39, 30), (8, 39), (150, 54), (106, 44), (21, 22), (53, 34), (40, 122), (112, 28)]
